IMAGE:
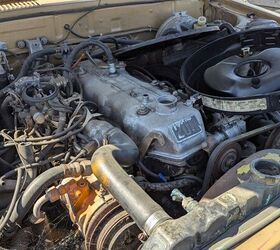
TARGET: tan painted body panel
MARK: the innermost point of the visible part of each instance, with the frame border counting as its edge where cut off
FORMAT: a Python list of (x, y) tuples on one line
[(102, 21), (266, 239)]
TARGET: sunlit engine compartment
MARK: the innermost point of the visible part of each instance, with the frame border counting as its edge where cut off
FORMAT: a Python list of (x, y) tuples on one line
[(115, 142)]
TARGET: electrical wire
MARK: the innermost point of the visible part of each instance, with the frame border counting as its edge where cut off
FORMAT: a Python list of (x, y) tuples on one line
[(147, 171), (51, 137), (62, 138), (70, 29), (79, 155), (32, 165)]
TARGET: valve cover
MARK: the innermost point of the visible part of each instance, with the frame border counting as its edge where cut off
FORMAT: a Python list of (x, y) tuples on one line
[(149, 115)]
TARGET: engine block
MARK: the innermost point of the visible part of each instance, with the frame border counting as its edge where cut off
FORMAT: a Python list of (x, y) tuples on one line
[(145, 113)]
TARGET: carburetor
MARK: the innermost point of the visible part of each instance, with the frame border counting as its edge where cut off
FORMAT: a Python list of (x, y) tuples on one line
[(37, 100), (163, 127)]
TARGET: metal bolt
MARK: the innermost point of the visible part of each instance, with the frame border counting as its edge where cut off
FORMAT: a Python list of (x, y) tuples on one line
[(146, 98), (11, 77), (112, 68), (143, 110), (39, 118), (21, 44), (204, 145), (177, 195), (155, 82), (44, 40), (201, 21)]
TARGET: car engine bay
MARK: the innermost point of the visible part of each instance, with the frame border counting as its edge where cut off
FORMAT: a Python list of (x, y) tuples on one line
[(117, 142)]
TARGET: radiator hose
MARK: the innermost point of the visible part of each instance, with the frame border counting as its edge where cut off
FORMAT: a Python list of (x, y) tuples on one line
[(127, 152)]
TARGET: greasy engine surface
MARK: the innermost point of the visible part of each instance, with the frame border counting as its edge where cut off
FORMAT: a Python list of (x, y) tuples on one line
[(160, 138), (146, 113)]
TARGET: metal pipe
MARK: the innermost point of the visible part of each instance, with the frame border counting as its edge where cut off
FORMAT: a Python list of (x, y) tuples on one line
[(26, 154), (37, 213), (144, 211)]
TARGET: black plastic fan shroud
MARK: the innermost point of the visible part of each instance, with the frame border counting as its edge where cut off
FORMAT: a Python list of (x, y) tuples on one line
[(194, 67)]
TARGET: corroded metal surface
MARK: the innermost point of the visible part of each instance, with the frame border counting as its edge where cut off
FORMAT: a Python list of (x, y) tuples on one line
[(210, 219)]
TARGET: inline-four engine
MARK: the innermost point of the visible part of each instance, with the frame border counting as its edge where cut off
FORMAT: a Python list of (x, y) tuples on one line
[(152, 117)]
